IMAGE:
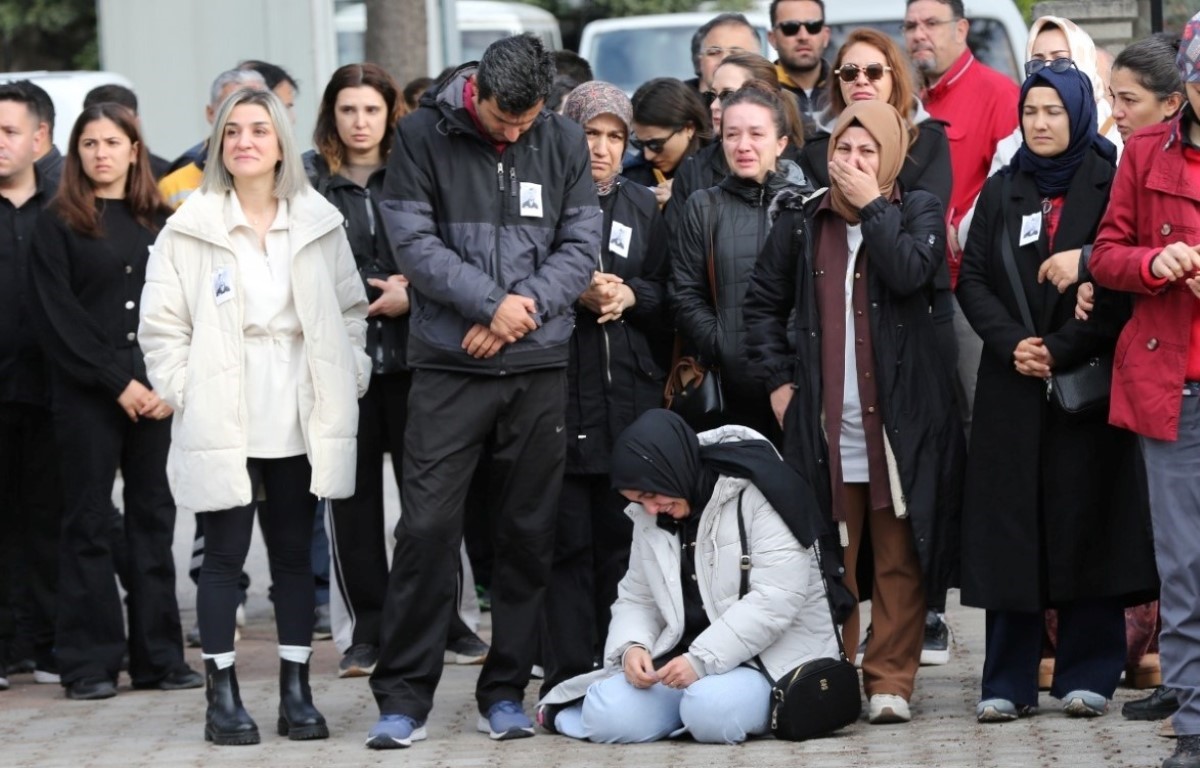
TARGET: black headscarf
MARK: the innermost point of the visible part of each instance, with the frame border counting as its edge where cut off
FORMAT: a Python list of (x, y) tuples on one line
[(660, 453), (1053, 175)]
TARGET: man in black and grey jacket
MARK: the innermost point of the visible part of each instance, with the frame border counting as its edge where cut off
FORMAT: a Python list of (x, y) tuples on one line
[(492, 214)]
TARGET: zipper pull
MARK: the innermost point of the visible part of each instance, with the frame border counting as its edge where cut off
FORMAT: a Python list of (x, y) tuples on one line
[(500, 175), (1049, 389), (512, 176)]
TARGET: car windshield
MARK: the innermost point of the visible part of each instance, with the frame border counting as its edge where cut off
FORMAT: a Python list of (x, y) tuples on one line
[(629, 57), (987, 40)]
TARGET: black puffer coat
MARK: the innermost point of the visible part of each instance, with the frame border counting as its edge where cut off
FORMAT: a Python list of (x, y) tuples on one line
[(905, 241), (732, 221), (617, 369), (387, 337)]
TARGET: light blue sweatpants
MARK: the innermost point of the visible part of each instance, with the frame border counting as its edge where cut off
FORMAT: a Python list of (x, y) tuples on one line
[(717, 709)]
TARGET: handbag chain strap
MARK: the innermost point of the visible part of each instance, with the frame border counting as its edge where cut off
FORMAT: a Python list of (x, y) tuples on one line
[(744, 587)]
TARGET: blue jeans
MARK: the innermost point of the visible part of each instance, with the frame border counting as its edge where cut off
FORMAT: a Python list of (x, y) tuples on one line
[(716, 709)]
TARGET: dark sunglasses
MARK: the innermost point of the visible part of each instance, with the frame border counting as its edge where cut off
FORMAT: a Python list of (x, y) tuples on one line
[(849, 72), (1057, 65), (653, 145), (792, 28), (712, 96)]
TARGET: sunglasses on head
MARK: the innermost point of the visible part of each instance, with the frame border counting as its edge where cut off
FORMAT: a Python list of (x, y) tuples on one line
[(653, 145), (792, 28), (1057, 65), (713, 96), (849, 72)]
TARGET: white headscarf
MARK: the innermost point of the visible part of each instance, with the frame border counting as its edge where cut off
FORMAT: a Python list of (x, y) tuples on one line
[(1083, 53)]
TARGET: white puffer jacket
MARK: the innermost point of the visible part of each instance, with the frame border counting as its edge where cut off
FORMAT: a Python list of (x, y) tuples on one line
[(194, 355), (784, 617)]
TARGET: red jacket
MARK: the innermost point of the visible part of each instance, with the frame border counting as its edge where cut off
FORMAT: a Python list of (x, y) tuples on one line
[(1152, 205)]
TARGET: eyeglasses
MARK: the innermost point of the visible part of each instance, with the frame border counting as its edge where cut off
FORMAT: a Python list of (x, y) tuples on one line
[(849, 72), (653, 145), (713, 96), (1057, 65), (792, 28), (717, 52), (929, 25)]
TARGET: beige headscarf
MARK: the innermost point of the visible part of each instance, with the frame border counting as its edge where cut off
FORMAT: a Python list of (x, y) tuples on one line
[(889, 130), (1083, 53)]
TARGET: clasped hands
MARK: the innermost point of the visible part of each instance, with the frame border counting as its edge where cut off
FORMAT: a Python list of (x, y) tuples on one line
[(513, 319), (640, 672), (1032, 358), (139, 400), (607, 296)]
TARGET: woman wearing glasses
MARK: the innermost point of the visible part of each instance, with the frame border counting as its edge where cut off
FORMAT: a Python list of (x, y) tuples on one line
[(1050, 504), (839, 332), (670, 123), (707, 166)]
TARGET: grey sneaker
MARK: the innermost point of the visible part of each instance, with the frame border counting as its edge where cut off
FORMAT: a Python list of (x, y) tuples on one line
[(1083, 703), (506, 720), (936, 649), (469, 649), (394, 732)]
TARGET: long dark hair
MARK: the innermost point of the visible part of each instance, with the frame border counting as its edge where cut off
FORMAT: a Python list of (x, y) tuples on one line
[(75, 202), (670, 103), (325, 135)]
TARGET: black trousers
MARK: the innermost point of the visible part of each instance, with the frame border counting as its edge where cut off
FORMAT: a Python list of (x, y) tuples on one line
[(591, 555), (95, 438), (1090, 654), (30, 528), (451, 418), (286, 519), (359, 568)]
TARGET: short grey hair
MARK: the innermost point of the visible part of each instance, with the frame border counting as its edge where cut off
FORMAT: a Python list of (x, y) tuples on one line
[(290, 177), (246, 78)]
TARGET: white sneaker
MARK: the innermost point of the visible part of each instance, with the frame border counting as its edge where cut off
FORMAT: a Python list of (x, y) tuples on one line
[(889, 708)]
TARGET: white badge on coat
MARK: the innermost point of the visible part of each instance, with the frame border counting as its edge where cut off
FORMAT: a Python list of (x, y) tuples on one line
[(1031, 228), (619, 239), (222, 282), (531, 199)]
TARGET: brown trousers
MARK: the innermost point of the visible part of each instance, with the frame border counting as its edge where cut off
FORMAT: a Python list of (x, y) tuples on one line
[(897, 596)]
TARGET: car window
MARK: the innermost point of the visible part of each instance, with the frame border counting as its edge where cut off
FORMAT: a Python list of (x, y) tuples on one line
[(987, 39), (629, 57)]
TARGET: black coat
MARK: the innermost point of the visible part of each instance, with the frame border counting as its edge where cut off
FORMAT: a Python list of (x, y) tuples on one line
[(905, 242), (387, 337), (618, 369), (732, 220), (1053, 509)]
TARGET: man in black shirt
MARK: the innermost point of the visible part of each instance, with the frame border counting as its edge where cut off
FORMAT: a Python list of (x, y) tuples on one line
[(30, 505)]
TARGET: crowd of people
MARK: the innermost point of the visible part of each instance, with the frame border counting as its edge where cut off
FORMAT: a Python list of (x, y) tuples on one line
[(895, 259)]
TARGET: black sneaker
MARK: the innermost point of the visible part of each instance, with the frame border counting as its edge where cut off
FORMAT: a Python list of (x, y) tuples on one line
[(1187, 753), (91, 689), (21, 667), (936, 650), (181, 678), (1162, 702), (322, 626), (469, 649), (359, 660)]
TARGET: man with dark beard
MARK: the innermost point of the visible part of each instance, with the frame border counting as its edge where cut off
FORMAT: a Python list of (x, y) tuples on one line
[(800, 35)]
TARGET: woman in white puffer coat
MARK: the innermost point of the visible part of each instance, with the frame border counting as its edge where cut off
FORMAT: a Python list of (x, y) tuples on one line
[(682, 645), (253, 326)]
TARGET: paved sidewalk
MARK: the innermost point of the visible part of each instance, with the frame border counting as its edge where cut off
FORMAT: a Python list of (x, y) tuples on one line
[(38, 727)]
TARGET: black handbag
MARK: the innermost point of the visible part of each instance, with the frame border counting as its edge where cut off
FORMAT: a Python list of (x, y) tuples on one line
[(693, 390), (819, 696), (1079, 391)]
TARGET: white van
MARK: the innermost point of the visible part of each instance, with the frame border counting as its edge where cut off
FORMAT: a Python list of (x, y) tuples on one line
[(66, 90), (480, 23), (629, 51)]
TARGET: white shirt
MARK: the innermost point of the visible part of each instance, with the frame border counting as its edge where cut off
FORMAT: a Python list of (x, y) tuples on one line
[(855, 468), (274, 359)]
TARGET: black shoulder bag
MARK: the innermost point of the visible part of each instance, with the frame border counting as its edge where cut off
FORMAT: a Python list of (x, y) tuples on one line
[(1078, 391), (819, 696)]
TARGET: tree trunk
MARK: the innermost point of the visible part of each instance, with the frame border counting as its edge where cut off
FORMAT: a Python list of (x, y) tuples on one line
[(396, 37)]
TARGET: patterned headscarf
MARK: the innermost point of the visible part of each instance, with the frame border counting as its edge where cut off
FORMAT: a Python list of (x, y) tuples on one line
[(1189, 51), (595, 98)]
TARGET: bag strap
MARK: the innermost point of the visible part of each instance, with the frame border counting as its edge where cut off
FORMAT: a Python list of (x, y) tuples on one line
[(1010, 267), (744, 587)]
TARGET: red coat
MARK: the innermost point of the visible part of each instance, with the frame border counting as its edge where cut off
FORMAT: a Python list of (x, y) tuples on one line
[(1152, 205)]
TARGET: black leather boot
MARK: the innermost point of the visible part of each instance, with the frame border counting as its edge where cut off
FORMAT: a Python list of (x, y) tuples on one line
[(226, 722), (1187, 753), (299, 720)]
